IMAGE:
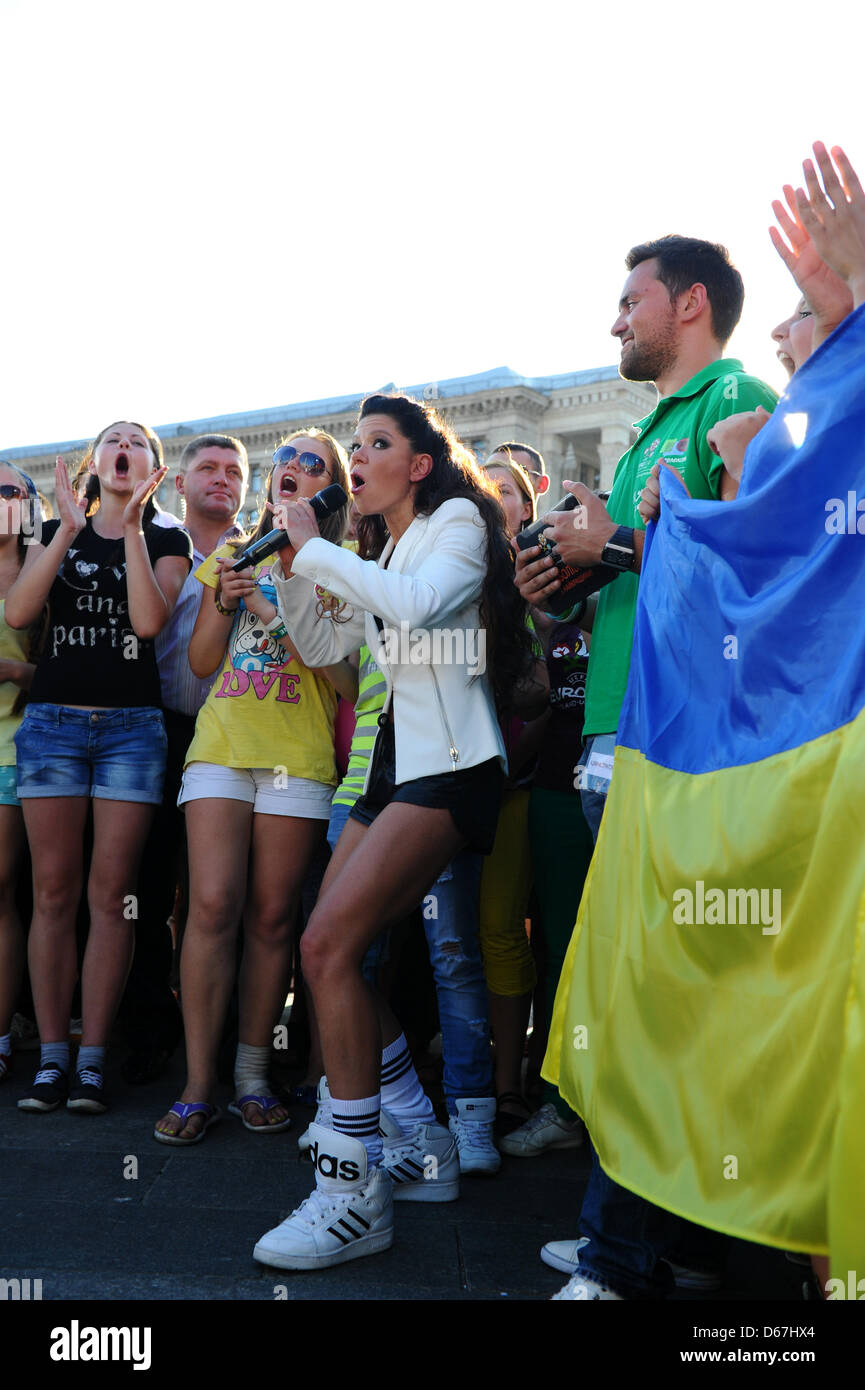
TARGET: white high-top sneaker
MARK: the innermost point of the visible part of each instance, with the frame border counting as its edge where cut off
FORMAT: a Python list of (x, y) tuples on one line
[(349, 1214), (472, 1127), (323, 1115), (424, 1164)]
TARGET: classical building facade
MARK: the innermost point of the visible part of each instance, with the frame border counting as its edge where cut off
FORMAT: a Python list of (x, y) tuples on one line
[(580, 421)]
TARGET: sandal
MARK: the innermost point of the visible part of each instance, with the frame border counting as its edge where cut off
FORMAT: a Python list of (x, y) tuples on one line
[(5, 1065), (265, 1104), (184, 1110)]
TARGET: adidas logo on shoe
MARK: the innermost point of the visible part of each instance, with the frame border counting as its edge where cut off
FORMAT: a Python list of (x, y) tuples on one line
[(349, 1214), (331, 1166)]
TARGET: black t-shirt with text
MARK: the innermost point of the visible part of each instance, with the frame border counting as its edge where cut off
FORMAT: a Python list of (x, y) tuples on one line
[(91, 654), (567, 662)]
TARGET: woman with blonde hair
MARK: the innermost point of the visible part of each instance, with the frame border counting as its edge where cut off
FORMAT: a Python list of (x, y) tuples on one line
[(257, 788)]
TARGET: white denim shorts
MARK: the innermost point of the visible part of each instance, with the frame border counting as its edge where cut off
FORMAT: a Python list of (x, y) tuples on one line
[(269, 791)]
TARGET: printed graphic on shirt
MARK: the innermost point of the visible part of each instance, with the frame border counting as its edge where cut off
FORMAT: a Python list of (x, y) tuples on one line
[(568, 663), (257, 661), (672, 451), (253, 648), (265, 708)]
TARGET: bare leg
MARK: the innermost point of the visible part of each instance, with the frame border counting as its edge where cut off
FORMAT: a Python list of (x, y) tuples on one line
[(55, 830), (315, 1063), (375, 877), (282, 850), (11, 935), (218, 833), (119, 832)]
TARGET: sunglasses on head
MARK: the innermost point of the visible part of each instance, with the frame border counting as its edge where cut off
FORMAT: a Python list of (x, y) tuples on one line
[(9, 490), (310, 463)]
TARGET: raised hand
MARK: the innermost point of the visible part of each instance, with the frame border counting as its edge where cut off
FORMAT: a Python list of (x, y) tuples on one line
[(134, 510), (72, 510), (829, 297), (834, 216), (729, 438)]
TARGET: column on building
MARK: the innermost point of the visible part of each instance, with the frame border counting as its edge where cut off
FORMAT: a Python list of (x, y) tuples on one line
[(615, 439)]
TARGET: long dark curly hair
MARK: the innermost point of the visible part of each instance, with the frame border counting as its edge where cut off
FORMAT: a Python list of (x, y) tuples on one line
[(503, 612)]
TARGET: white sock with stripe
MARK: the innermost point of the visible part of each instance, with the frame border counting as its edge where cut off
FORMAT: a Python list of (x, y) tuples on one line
[(402, 1095), (358, 1119)]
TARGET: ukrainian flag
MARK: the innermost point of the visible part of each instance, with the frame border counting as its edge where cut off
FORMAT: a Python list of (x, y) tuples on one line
[(710, 1021)]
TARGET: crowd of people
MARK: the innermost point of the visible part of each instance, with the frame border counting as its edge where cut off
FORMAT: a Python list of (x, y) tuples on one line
[(262, 775)]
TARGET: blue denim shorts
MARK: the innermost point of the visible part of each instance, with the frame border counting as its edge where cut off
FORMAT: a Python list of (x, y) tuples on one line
[(8, 782), (112, 754)]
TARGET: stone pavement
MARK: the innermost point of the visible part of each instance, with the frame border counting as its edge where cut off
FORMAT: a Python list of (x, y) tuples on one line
[(97, 1210)]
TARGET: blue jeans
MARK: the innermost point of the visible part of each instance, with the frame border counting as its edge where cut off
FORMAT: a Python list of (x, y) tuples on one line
[(630, 1239), (450, 919)]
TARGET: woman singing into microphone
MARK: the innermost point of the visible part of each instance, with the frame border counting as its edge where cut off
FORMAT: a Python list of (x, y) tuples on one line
[(432, 593)]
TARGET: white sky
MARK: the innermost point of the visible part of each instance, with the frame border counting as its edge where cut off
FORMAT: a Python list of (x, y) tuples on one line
[(213, 208)]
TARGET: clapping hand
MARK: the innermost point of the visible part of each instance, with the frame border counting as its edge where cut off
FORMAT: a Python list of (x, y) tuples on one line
[(132, 515), (72, 510)]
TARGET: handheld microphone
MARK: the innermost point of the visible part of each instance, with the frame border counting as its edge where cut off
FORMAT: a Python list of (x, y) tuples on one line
[(324, 503)]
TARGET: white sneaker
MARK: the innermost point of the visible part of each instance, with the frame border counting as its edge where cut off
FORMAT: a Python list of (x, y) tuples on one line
[(349, 1214), (323, 1115), (544, 1130), (472, 1127), (424, 1165), (581, 1289), (565, 1255)]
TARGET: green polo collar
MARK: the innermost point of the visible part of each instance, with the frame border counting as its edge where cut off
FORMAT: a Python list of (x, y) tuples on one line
[(696, 384)]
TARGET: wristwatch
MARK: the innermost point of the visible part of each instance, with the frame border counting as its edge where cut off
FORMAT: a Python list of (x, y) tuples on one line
[(619, 551)]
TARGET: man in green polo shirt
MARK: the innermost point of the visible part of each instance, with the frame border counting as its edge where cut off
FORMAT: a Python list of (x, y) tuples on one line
[(679, 306)]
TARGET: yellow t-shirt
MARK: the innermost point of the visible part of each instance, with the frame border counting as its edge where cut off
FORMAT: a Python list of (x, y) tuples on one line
[(13, 647), (265, 708)]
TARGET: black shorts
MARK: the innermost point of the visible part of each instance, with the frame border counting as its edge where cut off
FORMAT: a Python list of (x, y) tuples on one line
[(473, 796)]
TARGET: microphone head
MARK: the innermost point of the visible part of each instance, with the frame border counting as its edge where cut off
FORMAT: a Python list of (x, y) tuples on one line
[(329, 500)]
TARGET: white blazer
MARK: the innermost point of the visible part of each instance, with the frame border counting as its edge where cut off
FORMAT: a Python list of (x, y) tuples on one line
[(432, 650)]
